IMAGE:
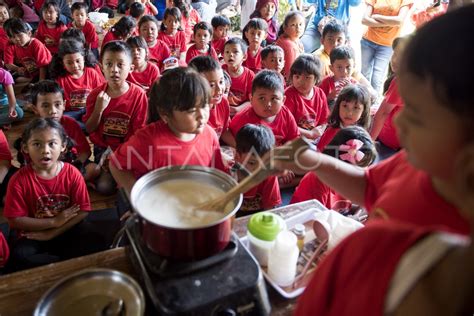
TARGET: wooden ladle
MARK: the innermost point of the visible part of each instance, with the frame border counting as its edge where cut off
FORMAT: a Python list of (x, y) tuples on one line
[(287, 152)]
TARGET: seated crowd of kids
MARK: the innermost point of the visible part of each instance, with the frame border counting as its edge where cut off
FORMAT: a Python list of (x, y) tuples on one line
[(153, 95)]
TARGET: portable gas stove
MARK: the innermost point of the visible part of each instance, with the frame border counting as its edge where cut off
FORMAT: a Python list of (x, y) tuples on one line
[(228, 283)]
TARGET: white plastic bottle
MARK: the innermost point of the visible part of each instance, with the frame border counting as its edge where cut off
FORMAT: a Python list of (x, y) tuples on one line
[(283, 259)]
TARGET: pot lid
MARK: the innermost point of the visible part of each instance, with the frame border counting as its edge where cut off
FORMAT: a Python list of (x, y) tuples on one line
[(265, 225)]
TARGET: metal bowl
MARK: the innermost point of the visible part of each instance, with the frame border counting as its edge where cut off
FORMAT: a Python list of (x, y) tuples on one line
[(93, 292)]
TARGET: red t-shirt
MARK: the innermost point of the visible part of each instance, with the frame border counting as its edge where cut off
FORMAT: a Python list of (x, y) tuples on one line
[(175, 43), (308, 113), (187, 23), (155, 146), (328, 84), (327, 137), (219, 45), (77, 90), (158, 53), (292, 50), (33, 56), (311, 187), (355, 277), (4, 251), (193, 52), (31, 196), (109, 37), (50, 37), (283, 126), (388, 134), (123, 116), (89, 33), (406, 194), (146, 78), (74, 131), (3, 41), (254, 63), (5, 153), (264, 196), (241, 86), (219, 117)]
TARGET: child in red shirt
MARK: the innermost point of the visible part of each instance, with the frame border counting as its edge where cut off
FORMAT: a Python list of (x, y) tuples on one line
[(220, 27), (342, 66), (254, 34), (123, 29), (157, 49), (75, 71), (172, 34), (50, 27), (144, 73), (273, 58), (4, 15), (189, 17), (235, 53), (252, 142), (149, 7), (352, 108), (202, 42), (305, 101), (46, 200), (6, 168), (311, 187), (32, 56), (80, 21), (415, 185), (115, 110), (289, 39), (177, 134)]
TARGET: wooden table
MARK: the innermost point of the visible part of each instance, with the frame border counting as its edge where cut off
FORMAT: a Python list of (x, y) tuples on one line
[(21, 291)]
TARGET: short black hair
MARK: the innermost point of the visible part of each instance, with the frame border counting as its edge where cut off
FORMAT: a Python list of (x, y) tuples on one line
[(137, 9), (14, 26), (237, 41), (220, 20), (203, 25), (79, 6), (204, 64), (307, 64), (137, 41), (124, 26), (257, 138), (255, 23), (268, 79), (51, 4), (44, 87), (267, 50), (333, 27), (116, 47), (74, 34), (43, 124), (341, 52)]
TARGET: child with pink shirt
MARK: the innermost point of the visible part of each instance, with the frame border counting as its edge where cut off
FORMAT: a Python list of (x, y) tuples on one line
[(172, 34), (289, 39), (50, 26), (254, 34), (177, 133), (202, 42), (304, 99)]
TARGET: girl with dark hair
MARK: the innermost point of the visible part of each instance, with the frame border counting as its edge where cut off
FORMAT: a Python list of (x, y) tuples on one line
[(172, 34), (50, 27), (289, 39)]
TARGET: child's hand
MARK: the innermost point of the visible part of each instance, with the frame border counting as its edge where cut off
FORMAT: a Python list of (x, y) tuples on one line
[(21, 71), (66, 215), (287, 177), (12, 113), (103, 100), (333, 94), (42, 235)]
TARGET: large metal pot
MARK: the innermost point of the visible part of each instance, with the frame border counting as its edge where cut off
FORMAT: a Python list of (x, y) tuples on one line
[(185, 243)]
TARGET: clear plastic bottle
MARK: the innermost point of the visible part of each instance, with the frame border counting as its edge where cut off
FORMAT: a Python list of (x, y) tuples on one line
[(283, 259), (300, 233)]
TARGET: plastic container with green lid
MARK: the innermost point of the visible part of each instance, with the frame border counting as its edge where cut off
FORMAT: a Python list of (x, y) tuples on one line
[(262, 230)]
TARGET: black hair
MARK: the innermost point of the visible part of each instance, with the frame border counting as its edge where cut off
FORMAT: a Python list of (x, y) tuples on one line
[(73, 34), (307, 64), (123, 27), (346, 134), (255, 23), (66, 47), (391, 75), (51, 4), (137, 41), (173, 11), (268, 79), (178, 89), (44, 87), (220, 20), (237, 41), (352, 92), (341, 52), (267, 50), (255, 138), (137, 9), (42, 124), (227, 79), (14, 26), (116, 47), (290, 15), (333, 27), (206, 27), (204, 64), (79, 6), (184, 6)]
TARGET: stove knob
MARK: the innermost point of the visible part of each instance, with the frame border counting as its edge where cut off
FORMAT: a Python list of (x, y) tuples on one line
[(226, 312)]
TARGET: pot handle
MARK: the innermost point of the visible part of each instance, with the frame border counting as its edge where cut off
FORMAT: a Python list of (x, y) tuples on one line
[(131, 220)]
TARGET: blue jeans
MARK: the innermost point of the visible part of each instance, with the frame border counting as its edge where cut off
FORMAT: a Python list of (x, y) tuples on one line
[(375, 59)]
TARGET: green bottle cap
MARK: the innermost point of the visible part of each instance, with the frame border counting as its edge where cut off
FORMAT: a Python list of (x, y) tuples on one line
[(264, 225)]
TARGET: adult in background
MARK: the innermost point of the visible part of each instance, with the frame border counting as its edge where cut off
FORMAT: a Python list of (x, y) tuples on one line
[(325, 11), (384, 19)]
